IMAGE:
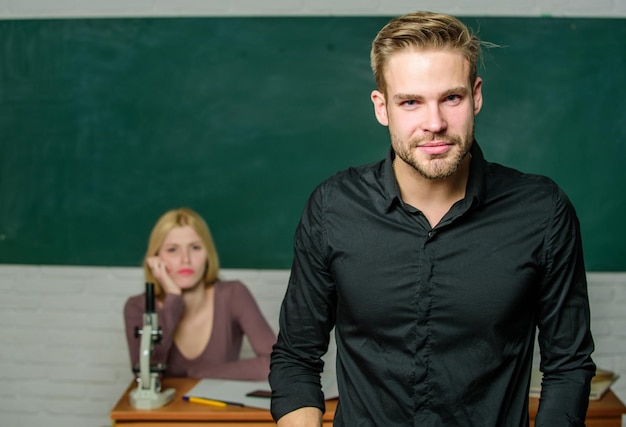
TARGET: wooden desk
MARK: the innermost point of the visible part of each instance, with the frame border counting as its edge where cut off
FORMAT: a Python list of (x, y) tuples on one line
[(606, 412), (602, 413), (180, 413)]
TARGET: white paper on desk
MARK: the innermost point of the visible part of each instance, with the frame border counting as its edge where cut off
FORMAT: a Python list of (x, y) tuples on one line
[(232, 391), (235, 390)]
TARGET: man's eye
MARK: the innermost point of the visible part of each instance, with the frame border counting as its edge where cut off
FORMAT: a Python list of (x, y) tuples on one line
[(409, 103), (453, 98)]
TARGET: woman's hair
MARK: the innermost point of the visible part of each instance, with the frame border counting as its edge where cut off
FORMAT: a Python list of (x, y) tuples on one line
[(179, 218), (422, 30)]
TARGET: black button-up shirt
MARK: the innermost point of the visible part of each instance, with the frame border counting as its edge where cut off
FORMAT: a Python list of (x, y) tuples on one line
[(436, 326)]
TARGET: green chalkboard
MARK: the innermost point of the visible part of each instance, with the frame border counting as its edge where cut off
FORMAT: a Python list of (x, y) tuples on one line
[(107, 123)]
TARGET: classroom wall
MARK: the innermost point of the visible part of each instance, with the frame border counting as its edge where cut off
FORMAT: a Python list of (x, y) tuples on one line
[(118, 101), (63, 361), (90, 8)]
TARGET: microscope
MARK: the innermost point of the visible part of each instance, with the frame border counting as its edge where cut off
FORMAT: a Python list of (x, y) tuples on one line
[(148, 394)]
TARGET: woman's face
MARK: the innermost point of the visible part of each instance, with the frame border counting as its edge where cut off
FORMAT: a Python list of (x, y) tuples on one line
[(184, 256)]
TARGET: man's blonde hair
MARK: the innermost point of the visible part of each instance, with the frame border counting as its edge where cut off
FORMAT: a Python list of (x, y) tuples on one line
[(423, 30)]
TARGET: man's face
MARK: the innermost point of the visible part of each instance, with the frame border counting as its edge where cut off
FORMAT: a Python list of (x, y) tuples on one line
[(429, 107)]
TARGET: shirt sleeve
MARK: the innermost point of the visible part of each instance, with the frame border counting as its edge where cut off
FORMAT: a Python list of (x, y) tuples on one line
[(169, 314), (565, 340), (306, 318), (258, 331)]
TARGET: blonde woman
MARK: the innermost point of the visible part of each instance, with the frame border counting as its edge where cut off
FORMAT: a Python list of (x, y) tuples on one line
[(203, 318)]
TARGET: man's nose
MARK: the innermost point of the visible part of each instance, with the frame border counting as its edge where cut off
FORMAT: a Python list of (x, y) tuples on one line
[(434, 121)]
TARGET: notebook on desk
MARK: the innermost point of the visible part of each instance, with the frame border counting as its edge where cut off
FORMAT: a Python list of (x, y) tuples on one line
[(600, 383), (231, 391), (253, 394)]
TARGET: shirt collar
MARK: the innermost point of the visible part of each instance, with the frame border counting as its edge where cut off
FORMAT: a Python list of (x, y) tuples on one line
[(475, 190), (390, 185), (476, 184)]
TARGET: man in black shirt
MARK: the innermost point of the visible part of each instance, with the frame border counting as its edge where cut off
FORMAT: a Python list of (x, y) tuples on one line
[(435, 267)]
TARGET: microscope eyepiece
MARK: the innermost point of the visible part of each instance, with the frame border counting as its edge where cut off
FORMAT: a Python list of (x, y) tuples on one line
[(149, 297)]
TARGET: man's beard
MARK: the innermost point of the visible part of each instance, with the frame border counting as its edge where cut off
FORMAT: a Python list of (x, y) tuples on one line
[(438, 166)]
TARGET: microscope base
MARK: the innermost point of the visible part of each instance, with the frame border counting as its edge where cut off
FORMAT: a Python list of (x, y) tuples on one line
[(150, 399)]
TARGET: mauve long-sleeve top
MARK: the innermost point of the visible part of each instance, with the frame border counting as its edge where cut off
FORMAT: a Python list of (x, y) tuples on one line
[(236, 314)]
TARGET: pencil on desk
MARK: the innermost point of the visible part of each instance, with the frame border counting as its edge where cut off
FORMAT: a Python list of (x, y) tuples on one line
[(202, 401), (210, 402)]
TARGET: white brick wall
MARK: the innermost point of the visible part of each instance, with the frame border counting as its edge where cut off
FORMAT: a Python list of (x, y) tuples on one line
[(607, 293), (63, 358), (99, 8)]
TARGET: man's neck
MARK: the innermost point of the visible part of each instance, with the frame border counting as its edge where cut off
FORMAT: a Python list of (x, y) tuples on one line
[(433, 197)]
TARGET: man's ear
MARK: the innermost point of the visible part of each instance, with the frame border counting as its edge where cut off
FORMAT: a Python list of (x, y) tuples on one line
[(478, 95), (380, 107)]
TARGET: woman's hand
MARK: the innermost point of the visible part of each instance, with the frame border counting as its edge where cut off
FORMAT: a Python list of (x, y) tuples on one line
[(159, 269)]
